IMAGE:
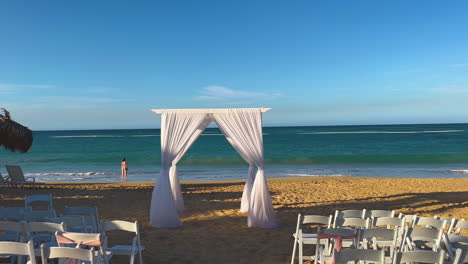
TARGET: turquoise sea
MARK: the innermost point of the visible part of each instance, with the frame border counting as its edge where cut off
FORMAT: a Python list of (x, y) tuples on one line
[(438, 150)]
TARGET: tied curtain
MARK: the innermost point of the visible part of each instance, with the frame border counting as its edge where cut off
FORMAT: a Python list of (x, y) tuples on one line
[(243, 129), (178, 131)]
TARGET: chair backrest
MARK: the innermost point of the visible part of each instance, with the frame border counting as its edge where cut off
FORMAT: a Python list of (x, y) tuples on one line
[(39, 216), (459, 225), (15, 173), (45, 227), (380, 213), (384, 233), (66, 252), (340, 215), (461, 256), (12, 213), (388, 222), (119, 225), (420, 256), (376, 256), (409, 219), (430, 222), (91, 215), (426, 234), (30, 200), (79, 238), (14, 231), (73, 223), (18, 249), (353, 222)]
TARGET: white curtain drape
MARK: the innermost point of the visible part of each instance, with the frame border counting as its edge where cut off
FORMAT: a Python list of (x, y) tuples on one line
[(178, 131), (173, 175), (243, 129)]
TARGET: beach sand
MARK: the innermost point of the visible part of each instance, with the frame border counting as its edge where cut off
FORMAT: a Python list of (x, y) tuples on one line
[(214, 231)]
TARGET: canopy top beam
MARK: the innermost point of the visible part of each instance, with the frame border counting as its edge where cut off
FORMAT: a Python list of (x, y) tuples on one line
[(208, 111)]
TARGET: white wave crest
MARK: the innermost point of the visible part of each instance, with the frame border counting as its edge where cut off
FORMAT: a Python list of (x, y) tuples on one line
[(459, 171), (87, 136), (144, 135), (380, 132), (311, 175), (91, 173)]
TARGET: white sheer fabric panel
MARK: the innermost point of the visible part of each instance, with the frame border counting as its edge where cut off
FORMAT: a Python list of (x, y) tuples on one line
[(177, 130), (243, 128), (173, 176)]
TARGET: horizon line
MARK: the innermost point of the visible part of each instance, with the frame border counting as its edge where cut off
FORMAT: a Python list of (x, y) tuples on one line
[(93, 129)]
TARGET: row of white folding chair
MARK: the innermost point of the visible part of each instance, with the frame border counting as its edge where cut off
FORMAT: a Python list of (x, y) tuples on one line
[(309, 238), (453, 239), (20, 250), (378, 256)]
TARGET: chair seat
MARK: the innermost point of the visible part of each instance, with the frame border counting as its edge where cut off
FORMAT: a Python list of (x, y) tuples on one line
[(309, 238), (125, 249), (457, 239)]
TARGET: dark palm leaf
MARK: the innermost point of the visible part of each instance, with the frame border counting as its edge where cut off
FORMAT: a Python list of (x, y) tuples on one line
[(14, 136)]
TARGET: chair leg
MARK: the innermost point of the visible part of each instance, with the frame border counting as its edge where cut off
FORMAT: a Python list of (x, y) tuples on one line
[(294, 251), (132, 258), (141, 258), (301, 254)]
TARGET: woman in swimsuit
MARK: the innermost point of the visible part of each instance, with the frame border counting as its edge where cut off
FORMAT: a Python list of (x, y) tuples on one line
[(124, 169)]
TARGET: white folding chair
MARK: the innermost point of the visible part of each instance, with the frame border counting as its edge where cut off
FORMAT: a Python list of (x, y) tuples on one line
[(391, 223), (90, 214), (301, 238), (333, 234), (43, 232), (19, 249), (423, 238), (380, 238), (374, 256), (127, 250), (419, 256), (461, 256), (12, 231), (46, 199), (102, 255), (48, 253), (453, 239)]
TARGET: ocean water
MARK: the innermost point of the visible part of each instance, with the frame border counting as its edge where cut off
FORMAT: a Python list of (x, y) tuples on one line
[(439, 150)]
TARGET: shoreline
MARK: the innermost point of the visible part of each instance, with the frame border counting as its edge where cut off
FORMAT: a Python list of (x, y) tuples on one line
[(318, 177)]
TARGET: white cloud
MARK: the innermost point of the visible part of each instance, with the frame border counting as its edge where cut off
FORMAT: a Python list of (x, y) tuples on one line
[(12, 88), (227, 94)]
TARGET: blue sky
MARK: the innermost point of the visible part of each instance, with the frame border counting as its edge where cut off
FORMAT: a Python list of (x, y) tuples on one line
[(104, 64)]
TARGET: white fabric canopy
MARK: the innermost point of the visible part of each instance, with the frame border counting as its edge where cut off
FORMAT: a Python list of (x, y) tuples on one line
[(179, 130)]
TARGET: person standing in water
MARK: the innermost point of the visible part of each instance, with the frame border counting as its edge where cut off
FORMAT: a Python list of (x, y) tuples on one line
[(124, 169)]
